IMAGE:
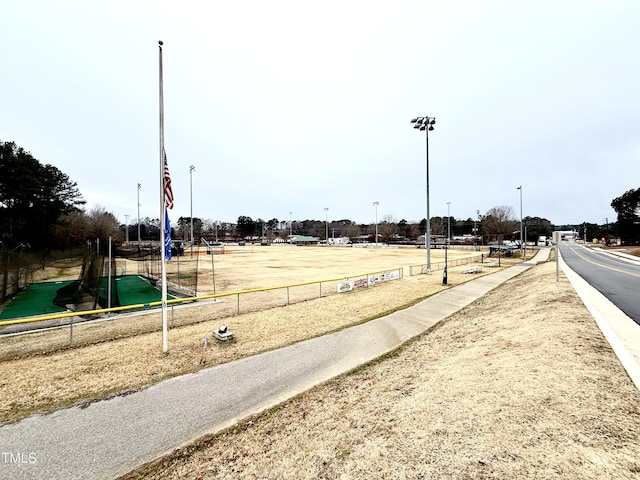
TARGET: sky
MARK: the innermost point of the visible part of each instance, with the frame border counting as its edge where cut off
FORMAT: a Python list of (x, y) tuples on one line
[(286, 108)]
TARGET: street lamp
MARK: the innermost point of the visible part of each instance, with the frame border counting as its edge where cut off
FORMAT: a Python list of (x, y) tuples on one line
[(478, 229), (426, 124), (475, 231), (521, 231), (139, 185), (522, 239), (375, 204), (446, 246), (524, 253), (191, 169), (326, 226), (448, 223)]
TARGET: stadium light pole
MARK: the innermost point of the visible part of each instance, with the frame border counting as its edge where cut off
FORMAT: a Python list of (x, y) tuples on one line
[(326, 225), (139, 185), (426, 124), (521, 231), (375, 204), (191, 169)]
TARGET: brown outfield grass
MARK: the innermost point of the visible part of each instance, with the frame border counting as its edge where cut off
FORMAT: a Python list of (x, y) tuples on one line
[(520, 384), (39, 372)]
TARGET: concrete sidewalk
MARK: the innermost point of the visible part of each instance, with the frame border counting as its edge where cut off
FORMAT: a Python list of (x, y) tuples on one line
[(109, 438)]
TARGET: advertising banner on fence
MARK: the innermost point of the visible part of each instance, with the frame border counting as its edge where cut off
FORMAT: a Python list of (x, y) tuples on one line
[(392, 275), (382, 277), (360, 282), (345, 286)]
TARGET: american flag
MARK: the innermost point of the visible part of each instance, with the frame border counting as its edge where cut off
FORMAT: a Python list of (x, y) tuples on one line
[(168, 192)]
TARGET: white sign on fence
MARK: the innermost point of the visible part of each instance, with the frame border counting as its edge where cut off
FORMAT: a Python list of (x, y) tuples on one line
[(345, 286), (382, 277), (348, 285), (392, 275)]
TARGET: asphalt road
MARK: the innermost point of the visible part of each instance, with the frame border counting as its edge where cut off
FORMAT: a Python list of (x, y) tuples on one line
[(616, 278)]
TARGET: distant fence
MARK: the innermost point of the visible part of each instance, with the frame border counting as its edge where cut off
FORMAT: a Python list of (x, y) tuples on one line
[(227, 304), (422, 269)]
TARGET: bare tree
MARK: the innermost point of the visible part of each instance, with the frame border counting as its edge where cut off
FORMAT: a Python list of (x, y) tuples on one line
[(499, 220), (388, 227), (72, 229), (352, 231), (438, 226), (103, 224)]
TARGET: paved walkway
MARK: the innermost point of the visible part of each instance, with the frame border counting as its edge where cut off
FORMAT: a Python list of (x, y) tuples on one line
[(111, 437)]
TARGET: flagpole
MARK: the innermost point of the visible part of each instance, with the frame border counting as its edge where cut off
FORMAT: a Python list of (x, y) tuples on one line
[(163, 212)]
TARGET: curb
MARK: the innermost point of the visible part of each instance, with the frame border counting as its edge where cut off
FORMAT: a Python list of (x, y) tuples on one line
[(617, 328)]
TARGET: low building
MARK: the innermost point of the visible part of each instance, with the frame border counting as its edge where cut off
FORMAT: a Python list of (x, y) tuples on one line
[(303, 240)]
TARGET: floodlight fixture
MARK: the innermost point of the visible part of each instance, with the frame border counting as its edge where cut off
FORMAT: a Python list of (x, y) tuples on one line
[(426, 124)]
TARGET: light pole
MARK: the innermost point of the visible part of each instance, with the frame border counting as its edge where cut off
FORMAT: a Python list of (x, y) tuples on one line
[(139, 185), (290, 226), (448, 223), (426, 124), (191, 169), (126, 232), (375, 204), (446, 246), (326, 226), (521, 231), (475, 232)]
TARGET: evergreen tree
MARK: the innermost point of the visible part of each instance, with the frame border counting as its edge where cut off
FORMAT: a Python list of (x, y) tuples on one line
[(32, 197)]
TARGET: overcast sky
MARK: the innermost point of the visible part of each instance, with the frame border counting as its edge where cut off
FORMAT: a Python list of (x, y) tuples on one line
[(298, 106)]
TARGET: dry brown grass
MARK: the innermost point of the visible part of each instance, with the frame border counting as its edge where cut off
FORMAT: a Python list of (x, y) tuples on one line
[(248, 268), (39, 372), (520, 384), (631, 250)]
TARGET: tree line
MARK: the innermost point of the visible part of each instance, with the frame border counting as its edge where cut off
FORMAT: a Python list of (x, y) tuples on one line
[(40, 206)]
